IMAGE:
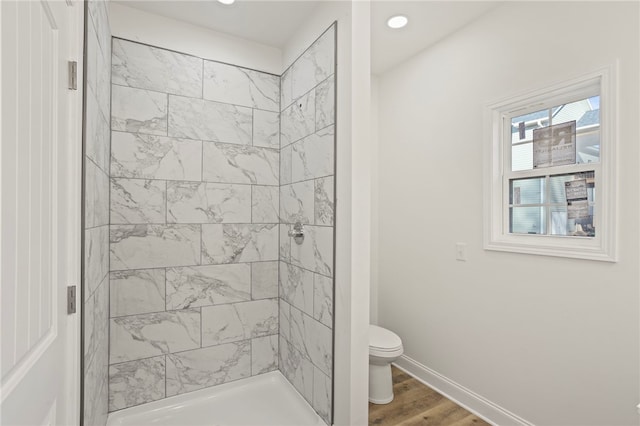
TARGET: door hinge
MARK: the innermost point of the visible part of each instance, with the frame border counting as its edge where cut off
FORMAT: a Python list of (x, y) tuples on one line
[(71, 299), (73, 75)]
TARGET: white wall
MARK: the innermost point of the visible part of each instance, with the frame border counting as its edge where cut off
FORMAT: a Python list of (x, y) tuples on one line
[(352, 198), (156, 30), (552, 340)]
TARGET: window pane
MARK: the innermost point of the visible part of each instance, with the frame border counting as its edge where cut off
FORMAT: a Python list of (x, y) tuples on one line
[(528, 122), (527, 191), (561, 225), (586, 114), (588, 147), (522, 157), (582, 111), (557, 192), (527, 220)]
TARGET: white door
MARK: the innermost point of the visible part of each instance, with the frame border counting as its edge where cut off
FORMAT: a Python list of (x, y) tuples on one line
[(40, 184)]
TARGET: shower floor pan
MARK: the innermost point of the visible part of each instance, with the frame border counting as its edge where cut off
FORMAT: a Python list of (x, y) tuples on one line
[(264, 400)]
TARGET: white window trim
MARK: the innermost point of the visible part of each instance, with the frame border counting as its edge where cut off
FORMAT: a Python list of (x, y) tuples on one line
[(496, 236)]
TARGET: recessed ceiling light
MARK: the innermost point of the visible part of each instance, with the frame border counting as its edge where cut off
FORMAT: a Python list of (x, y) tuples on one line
[(226, 2), (395, 22)]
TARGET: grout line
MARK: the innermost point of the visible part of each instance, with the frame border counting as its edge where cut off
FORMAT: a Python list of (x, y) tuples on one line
[(179, 95), (309, 135), (195, 181), (185, 139)]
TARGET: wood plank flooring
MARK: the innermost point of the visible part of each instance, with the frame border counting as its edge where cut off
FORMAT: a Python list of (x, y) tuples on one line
[(417, 404)]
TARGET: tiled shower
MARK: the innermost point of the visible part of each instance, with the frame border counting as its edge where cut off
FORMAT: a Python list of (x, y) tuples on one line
[(191, 278)]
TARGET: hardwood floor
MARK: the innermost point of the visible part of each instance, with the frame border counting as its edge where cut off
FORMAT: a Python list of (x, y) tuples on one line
[(417, 404)]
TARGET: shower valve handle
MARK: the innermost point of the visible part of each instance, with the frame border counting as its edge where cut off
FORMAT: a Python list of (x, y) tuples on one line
[(297, 232)]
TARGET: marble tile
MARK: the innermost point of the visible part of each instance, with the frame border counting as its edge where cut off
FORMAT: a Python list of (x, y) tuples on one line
[(100, 17), (240, 164), (286, 97), (89, 344), (200, 202), (285, 164), (296, 202), (152, 246), (145, 67), (96, 324), (265, 201), (96, 382), (324, 201), (91, 58), (312, 339), (138, 201), (296, 368), (101, 320), (96, 258), (155, 157), (196, 286), (323, 299), (96, 409), (322, 395), (103, 83), (96, 194), (137, 110), (298, 120), (316, 252), (239, 321), (209, 121), (266, 129), (264, 280), (264, 354), (201, 368), (235, 243), (143, 336), (139, 291), (136, 382), (241, 86), (97, 145), (315, 65), (325, 103), (313, 157), (296, 287), (285, 319), (285, 243)]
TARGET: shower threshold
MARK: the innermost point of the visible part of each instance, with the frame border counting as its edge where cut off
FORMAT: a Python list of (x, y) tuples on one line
[(264, 400)]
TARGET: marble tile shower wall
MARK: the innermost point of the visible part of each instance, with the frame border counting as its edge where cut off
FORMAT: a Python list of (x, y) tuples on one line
[(194, 224), (307, 162), (96, 219)]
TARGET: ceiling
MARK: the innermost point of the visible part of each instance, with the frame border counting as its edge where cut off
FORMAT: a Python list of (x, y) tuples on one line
[(267, 22), (274, 22), (429, 22)]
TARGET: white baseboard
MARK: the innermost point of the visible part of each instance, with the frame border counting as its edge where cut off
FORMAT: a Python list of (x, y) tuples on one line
[(462, 396)]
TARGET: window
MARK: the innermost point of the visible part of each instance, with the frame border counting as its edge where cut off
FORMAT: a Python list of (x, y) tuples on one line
[(550, 171)]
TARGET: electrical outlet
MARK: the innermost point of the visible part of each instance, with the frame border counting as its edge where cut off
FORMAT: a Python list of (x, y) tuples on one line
[(461, 252)]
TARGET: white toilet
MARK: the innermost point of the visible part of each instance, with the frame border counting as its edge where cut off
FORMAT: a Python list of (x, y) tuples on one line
[(384, 347)]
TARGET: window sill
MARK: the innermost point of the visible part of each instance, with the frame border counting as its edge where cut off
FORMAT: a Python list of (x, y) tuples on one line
[(545, 245)]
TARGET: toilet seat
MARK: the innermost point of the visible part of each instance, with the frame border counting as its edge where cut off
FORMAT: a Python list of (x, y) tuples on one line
[(383, 342)]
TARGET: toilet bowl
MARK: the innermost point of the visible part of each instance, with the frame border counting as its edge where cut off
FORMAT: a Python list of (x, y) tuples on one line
[(384, 347)]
